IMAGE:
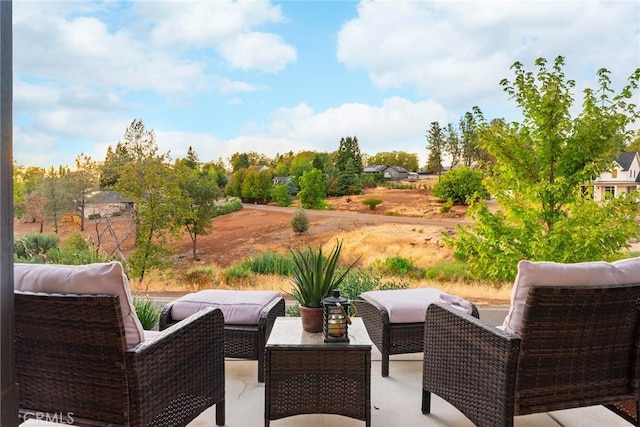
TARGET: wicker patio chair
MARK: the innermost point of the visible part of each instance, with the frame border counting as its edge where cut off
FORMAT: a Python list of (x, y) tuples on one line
[(240, 340), (392, 338), (577, 347), (72, 363)]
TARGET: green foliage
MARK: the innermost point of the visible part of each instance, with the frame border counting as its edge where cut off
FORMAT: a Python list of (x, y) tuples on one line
[(300, 221), (270, 263), (256, 186), (540, 165), (33, 247), (446, 207), (281, 195), (75, 251), (372, 202), (199, 277), (447, 272), (399, 266), (409, 161), (94, 216), (234, 204), (147, 312), (315, 275), (237, 271), (312, 190), (435, 147), (348, 179), (461, 185)]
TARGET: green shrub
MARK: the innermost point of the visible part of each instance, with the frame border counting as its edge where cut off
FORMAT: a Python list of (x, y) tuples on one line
[(271, 263), (94, 216), (33, 247), (281, 195), (234, 204), (446, 207), (148, 313), (371, 202), (300, 221), (398, 265), (447, 272), (237, 271), (462, 185)]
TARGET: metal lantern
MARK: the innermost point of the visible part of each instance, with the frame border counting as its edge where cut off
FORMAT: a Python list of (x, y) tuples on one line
[(335, 318)]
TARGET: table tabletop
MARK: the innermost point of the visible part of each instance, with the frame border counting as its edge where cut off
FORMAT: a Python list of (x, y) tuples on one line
[(287, 331)]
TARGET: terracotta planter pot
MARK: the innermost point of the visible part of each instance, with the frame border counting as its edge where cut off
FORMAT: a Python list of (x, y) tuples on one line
[(311, 318)]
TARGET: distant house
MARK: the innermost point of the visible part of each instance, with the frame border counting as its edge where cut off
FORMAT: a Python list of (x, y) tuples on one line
[(624, 177), (393, 173), (106, 203), (286, 180)]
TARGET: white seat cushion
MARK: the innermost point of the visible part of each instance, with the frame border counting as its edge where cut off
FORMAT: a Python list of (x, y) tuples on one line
[(238, 307), (542, 273), (410, 305), (100, 278)]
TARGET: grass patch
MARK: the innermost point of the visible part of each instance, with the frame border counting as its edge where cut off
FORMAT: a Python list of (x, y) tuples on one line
[(447, 271), (199, 277), (147, 312)]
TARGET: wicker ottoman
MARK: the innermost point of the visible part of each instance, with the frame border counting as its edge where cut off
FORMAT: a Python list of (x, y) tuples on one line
[(395, 318), (248, 318)]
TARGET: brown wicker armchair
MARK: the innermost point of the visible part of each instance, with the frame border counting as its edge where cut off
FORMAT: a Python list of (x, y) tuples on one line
[(73, 364), (578, 346)]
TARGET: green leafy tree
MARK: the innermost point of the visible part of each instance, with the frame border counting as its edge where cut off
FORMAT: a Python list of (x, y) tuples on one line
[(312, 190), (281, 195), (540, 166), (300, 221), (82, 181), (256, 186), (461, 185), (234, 186), (154, 187), (453, 145), (198, 204), (435, 147), (115, 159)]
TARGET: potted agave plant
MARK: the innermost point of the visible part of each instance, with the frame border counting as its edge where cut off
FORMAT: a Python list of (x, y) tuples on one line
[(315, 276)]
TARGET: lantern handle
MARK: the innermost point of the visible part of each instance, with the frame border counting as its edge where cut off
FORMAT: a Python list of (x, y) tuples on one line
[(344, 313)]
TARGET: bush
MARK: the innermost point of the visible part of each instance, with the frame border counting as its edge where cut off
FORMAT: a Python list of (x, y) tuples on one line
[(147, 312), (371, 202), (300, 221), (94, 216), (446, 207), (461, 185), (33, 247), (234, 204), (447, 272), (199, 277), (281, 195), (271, 263)]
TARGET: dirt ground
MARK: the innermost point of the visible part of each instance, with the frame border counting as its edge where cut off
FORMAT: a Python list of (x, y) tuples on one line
[(256, 229)]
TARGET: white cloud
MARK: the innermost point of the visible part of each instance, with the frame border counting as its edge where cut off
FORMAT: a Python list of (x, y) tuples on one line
[(457, 51)]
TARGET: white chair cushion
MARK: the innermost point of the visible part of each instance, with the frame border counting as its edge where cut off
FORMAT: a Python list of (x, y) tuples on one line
[(100, 278), (410, 305), (543, 273), (238, 307)]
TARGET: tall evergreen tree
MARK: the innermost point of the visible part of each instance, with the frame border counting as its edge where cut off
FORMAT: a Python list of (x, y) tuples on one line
[(435, 147)]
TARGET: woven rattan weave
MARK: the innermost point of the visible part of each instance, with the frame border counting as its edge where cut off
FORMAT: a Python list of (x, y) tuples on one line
[(242, 341), (578, 347), (391, 338), (72, 362)]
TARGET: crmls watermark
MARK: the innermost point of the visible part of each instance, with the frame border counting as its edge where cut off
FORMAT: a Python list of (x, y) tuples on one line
[(48, 417)]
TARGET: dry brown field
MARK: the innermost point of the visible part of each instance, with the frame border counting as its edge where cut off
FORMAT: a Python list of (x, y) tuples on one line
[(408, 223)]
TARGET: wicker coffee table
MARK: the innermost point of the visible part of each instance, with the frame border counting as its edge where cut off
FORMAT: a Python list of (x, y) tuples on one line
[(304, 375)]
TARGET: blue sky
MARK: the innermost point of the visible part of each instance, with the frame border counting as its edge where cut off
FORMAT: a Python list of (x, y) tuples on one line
[(273, 77)]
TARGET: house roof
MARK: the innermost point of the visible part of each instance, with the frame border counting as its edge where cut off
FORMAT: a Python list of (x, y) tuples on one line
[(625, 159), (106, 197), (374, 168)]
